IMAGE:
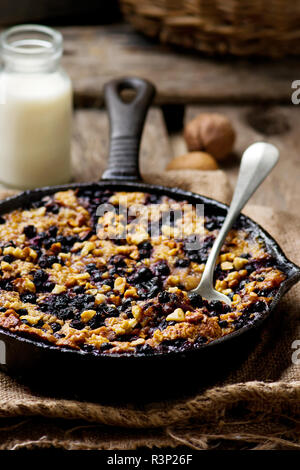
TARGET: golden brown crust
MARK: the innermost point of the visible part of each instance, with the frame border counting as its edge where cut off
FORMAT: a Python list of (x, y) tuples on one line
[(65, 281)]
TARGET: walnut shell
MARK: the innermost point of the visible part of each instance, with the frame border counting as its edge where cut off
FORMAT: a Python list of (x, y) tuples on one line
[(211, 132), (193, 161)]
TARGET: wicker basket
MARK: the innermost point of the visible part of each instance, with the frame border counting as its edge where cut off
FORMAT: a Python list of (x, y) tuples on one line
[(238, 27)]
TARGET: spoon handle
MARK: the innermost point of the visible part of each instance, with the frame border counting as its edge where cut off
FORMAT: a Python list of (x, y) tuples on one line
[(257, 162)]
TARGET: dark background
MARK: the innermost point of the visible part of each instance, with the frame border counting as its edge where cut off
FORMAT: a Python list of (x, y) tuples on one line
[(58, 11)]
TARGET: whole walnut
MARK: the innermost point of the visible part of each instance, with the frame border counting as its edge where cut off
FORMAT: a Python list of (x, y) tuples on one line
[(193, 161), (211, 132)]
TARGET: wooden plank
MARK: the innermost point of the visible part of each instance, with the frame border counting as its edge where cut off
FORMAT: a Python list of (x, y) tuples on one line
[(94, 55), (90, 144), (278, 125)]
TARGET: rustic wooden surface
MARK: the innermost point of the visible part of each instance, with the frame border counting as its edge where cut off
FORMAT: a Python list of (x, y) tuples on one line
[(91, 137), (94, 55), (278, 125)]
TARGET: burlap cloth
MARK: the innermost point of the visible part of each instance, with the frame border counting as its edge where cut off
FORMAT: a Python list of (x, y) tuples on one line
[(256, 406)]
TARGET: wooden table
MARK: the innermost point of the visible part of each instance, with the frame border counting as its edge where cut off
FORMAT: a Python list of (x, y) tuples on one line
[(256, 95)]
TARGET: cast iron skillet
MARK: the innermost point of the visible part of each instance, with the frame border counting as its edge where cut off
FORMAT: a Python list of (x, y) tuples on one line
[(81, 373)]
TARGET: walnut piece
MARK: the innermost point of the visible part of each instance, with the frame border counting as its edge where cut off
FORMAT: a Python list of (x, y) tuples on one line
[(211, 132), (193, 161)]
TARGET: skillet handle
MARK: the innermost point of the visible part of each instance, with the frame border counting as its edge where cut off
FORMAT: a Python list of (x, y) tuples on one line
[(126, 126)]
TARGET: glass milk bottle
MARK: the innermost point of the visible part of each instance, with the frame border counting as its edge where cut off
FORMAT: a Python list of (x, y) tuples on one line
[(35, 108)]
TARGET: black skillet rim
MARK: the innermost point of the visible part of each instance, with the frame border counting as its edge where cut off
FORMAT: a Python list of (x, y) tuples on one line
[(291, 269)]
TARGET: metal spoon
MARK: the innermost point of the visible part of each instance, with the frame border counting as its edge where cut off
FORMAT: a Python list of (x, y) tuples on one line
[(257, 162)]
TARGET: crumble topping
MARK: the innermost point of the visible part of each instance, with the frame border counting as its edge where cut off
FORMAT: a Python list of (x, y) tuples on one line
[(110, 282)]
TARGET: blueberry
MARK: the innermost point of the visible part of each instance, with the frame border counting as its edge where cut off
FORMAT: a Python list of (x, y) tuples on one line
[(70, 240), (249, 268), (30, 231), (91, 267), (112, 271), (53, 231), (150, 289), (256, 307), (109, 282), (106, 346), (48, 286), (126, 305), (83, 301), (40, 276), (8, 258), (182, 263), (196, 300), (117, 260), (179, 344), (87, 347), (77, 324), (153, 199), (28, 298), (3, 309), (200, 340), (142, 275), (52, 207), (215, 306), (223, 323), (163, 297), (173, 298), (7, 285), (78, 289), (55, 327), (145, 249), (2, 220), (39, 239), (47, 243), (111, 311), (22, 311), (195, 257), (161, 269), (97, 277), (47, 261), (214, 222), (89, 299), (64, 313), (265, 292), (97, 321), (56, 304), (163, 324), (145, 349), (239, 322), (153, 291), (199, 251)]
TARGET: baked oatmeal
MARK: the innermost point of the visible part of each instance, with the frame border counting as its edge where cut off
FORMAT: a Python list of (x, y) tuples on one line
[(110, 282)]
